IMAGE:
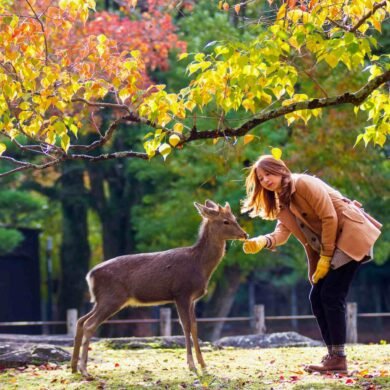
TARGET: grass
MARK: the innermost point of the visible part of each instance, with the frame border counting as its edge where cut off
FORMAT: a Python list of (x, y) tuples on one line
[(277, 369)]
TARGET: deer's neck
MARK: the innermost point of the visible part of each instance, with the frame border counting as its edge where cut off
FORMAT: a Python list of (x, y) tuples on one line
[(209, 248)]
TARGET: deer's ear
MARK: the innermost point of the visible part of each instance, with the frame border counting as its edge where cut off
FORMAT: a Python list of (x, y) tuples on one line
[(206, 212), (209, 203), (227, 207)]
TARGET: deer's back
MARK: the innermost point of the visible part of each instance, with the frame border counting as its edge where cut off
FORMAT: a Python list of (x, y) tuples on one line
[(149, 278)]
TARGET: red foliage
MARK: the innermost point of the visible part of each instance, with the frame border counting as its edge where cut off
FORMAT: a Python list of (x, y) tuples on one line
[(151, 32)]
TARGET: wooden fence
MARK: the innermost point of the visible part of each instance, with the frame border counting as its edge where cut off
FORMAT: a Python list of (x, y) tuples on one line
[(165, 320)]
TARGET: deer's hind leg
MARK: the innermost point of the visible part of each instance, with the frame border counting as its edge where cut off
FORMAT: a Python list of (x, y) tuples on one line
[(183, 308), (102, 312), (78, 338), (194, 333)]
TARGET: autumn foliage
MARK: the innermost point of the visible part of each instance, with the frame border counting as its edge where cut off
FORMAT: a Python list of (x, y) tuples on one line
[(61, 61)]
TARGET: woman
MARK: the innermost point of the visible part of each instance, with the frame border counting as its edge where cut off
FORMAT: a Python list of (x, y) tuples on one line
[(336, 233)]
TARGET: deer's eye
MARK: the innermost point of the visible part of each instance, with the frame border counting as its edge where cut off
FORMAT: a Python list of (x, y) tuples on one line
[(226, 222)]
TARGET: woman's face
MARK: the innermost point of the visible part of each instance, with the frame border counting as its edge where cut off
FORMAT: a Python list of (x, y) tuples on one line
[(269, 181)]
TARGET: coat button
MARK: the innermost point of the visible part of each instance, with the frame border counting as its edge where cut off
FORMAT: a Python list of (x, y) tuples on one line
[(304, 214), (313, 239), (302, 225)]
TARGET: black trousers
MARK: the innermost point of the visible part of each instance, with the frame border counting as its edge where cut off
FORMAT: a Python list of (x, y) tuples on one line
[(328, 302)]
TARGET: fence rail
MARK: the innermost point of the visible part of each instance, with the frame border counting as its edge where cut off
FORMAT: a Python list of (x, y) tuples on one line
[(259, 319)]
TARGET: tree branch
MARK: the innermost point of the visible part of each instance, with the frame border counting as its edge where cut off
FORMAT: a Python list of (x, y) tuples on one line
[(368, 15), (23, 166), (356, 99), (362, 20), (38, 19)]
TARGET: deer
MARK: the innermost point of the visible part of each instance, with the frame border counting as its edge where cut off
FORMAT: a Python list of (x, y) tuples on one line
[(180, 276)]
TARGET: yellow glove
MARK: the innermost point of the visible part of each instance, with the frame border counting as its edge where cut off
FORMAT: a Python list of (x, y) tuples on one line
[(322, 269), (254, 245)]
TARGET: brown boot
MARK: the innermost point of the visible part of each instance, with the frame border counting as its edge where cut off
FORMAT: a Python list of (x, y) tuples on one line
[(331, 363)]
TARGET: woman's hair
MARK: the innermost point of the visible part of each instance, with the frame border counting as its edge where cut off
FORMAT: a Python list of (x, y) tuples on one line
[(262, 202)]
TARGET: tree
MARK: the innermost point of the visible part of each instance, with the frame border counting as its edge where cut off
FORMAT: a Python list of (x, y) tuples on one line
[(53, 82), (18, 209)]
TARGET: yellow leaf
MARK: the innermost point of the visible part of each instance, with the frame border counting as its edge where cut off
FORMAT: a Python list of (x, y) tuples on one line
[(248, 138), (24, 115), (225, 6), (24, 106), (178, 127), (63, 4), (189, 105), (65, 142), (164, 150), (332, 60), (282, 12), (277, 153), (237, 8), (182, 56), (266, 98), (174, 140), (74, 129), (102, 38), (199, 57), (249, 104), (135, 53), (124, 94), (377, 25), (2, 148)]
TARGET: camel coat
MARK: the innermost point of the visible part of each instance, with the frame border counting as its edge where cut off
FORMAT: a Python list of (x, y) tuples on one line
[(336, 220)]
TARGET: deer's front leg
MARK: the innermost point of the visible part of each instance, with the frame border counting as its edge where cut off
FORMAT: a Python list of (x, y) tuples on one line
[(183, 308)]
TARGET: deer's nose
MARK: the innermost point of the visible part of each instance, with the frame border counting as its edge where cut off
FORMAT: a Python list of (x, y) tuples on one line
[(246, 236)]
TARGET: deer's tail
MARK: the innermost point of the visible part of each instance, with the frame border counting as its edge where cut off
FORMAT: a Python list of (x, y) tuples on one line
[(90, 281)]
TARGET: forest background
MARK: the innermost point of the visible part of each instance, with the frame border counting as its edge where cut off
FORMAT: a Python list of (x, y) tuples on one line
[(95, 211)]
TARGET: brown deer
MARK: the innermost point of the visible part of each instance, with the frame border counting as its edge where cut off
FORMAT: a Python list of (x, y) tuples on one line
[(179, 275)]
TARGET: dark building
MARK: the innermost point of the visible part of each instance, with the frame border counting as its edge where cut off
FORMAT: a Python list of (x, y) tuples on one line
[(20, 298)]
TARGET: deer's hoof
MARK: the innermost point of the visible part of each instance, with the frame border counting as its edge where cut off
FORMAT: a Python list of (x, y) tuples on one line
[(87, 376), (193, 369)]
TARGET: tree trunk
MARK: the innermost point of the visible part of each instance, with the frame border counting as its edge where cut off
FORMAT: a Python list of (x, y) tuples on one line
[(75, 250), (114, 191), (221, 302)]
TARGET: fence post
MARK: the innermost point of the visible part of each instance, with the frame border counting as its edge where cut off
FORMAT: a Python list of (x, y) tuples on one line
[(352, 335), (259, 319), (165, 321), (71, 322)]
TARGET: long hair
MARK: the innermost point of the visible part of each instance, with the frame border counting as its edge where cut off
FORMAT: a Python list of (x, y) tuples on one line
[(262, 202)]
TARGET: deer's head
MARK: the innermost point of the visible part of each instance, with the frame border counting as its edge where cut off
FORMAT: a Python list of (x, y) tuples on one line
[(222, 219)]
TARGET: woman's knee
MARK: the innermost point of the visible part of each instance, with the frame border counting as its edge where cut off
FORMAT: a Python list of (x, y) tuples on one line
[(332, 299), (315, 298)]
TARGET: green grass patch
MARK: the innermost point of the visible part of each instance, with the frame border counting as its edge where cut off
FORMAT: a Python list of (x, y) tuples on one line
[(278, 368)]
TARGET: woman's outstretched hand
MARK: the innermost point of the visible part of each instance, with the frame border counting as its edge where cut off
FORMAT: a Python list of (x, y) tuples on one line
[(322, 269), (254, 245)]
